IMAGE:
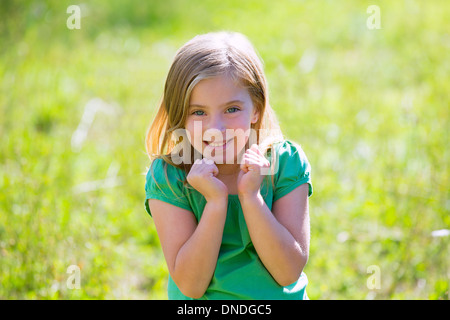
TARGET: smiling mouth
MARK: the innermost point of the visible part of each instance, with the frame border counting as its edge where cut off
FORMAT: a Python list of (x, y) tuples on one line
[(216, 144)]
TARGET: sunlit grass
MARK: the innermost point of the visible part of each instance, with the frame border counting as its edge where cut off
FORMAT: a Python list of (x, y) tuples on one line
[(369, 107)]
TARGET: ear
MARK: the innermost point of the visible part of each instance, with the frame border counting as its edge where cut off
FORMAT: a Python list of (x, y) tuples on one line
[(255, 115)]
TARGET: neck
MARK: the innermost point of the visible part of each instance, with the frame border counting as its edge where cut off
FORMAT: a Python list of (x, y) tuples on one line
[(228, 169)]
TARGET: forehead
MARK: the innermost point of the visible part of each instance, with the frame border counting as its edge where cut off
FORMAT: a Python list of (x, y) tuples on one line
[(213, 92)]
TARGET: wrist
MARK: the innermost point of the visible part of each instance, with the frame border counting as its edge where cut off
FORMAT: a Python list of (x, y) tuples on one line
[(250, 196), (218, 200)]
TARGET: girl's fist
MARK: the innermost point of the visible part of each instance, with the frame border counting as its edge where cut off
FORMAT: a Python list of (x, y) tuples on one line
[(250, 177), (202, 177)]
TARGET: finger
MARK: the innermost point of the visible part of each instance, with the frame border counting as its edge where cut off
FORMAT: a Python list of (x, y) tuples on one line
[(196, 163), (199, 165), (244, 167), (261, 158), (254, 147), (259, 151), (210, 167), (250, 165), (252, 151), (256, 164), (215, 170), (251, 158), (256, 159)]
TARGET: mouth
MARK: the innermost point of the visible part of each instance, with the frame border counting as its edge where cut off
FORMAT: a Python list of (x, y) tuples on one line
[(218, 145)]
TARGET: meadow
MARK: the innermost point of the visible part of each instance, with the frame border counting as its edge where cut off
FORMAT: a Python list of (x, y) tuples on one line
[(369, 106)]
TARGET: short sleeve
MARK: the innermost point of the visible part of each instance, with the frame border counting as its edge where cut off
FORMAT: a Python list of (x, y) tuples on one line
[(165, 182), (293, 169)]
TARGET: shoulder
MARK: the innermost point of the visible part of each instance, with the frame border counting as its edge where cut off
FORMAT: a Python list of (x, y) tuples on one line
[(165, 182), (162, 171), (291, 167), (289, 151), (164, 177)]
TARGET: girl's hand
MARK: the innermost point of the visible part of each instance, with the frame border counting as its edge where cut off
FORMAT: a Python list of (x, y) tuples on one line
[(250, 177), (202, 177)]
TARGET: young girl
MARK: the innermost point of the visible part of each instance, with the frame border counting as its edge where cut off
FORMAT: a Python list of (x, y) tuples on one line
[(231, 214)]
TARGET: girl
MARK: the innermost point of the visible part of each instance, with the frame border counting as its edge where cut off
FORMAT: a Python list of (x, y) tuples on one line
[(231, 215)]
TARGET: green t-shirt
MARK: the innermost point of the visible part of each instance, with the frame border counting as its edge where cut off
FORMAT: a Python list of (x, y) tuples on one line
[(239, 272)]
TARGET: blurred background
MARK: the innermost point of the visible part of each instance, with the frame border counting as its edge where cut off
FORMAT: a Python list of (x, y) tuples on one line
[(369, 106)]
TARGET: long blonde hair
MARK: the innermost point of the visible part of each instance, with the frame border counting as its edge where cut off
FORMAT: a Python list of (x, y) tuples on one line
[(206, 56)]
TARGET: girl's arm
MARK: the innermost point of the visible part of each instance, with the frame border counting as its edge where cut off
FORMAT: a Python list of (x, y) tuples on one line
[(281, 237), (191, 251)]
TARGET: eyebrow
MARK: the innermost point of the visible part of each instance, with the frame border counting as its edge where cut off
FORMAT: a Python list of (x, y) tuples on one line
[(223, 105)]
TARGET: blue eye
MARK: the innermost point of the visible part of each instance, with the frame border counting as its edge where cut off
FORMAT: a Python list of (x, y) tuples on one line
[(235, 109), (198, 113)]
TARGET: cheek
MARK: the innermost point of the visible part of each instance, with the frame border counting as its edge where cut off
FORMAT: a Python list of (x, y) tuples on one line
[(243, 132), (241, 122), (194, 134)]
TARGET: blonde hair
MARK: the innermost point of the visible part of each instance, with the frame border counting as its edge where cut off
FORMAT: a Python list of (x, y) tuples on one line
[(207, 56)]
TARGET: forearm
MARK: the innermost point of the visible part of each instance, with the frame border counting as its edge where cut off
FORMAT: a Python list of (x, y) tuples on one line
[(196, 260), (278, 250)]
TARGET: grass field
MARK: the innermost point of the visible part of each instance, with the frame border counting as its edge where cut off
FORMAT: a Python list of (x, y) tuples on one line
[(370, 108)]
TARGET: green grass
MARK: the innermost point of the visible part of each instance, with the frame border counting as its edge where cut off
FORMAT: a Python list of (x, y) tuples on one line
[(370, 110)]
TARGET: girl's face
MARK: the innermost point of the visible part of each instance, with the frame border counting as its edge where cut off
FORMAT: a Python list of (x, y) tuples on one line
[(219, 119)]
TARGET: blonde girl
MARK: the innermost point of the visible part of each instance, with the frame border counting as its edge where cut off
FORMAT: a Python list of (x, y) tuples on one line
[(227, 193)]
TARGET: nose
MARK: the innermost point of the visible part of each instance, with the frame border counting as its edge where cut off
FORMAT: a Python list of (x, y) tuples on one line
[(216, 123), (215, 129)]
